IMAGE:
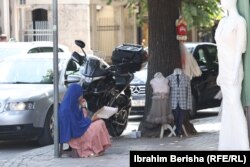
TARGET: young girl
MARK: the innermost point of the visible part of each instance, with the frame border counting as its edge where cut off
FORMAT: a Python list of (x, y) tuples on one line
[(88, 137)]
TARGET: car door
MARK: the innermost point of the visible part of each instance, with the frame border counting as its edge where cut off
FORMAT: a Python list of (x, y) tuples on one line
[(204, 88)]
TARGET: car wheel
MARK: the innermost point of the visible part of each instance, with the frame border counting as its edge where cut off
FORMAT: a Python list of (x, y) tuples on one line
[(193, 112), (48, 130)]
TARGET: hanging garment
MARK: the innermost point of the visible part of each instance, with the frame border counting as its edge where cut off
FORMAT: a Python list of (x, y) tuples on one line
[(189, 64)]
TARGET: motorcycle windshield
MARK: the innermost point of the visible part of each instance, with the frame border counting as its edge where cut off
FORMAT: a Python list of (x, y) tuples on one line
[(92, 68)]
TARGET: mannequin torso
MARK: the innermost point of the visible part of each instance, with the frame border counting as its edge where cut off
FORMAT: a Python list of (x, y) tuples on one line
[(159, 84), (231, 43), (180, 92), (230, 38)]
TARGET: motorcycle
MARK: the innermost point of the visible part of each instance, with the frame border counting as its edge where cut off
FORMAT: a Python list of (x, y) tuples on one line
[(106, 85)]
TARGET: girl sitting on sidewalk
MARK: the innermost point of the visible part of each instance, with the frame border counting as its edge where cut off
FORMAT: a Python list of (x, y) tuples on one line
[(88, 137)]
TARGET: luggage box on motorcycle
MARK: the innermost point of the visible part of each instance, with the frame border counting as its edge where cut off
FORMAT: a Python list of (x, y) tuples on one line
[(129, 58)]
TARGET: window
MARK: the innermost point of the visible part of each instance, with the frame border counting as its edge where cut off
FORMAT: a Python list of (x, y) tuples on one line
[(201, 57), (43, 50), (212, 50), (72, 68), (22, 2), (34, 50), (46, 49), (49, 49)]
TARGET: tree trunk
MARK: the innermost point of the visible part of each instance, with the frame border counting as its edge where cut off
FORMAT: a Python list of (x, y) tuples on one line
[(164, 53)]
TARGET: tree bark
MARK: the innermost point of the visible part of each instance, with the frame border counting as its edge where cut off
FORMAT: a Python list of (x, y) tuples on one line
[(164, 53)]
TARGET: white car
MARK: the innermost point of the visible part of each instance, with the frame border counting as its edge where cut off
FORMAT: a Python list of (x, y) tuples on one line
[(20, 48)]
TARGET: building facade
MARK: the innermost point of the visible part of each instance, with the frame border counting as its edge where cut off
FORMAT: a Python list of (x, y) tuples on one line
[(102, 27)]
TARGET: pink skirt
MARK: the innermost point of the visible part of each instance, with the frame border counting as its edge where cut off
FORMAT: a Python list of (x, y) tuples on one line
[(94, 141)]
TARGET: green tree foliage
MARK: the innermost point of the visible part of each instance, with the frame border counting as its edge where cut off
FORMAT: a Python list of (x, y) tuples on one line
[(140, 7), (198, 13), (201, 13)]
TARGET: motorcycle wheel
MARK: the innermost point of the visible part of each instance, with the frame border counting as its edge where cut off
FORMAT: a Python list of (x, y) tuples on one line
[(118, 122)]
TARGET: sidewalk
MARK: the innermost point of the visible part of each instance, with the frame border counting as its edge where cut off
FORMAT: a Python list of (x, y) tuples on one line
[(118, 154)]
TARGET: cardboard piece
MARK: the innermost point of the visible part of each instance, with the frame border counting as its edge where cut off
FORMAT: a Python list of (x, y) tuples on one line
[(106, 112)]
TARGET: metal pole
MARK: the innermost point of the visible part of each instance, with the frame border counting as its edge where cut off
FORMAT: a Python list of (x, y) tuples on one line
[(55, 64)]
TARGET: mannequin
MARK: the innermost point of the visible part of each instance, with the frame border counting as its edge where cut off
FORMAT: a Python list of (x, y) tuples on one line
[(230, 37), (181, 99), (160, 111)]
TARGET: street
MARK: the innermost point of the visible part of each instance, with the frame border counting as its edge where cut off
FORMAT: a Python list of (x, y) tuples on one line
[(9, 149)]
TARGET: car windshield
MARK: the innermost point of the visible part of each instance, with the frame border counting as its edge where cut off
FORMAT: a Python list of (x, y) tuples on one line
[(27, 71)]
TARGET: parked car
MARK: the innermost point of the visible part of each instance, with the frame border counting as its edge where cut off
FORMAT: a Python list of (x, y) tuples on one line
[(19, 48), (204, 88), (26, 94)]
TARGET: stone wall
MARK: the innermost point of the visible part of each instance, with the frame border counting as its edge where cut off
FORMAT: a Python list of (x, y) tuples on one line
[(73, 23)]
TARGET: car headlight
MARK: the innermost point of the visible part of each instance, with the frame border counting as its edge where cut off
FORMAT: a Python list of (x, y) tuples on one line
[(19, 106)]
